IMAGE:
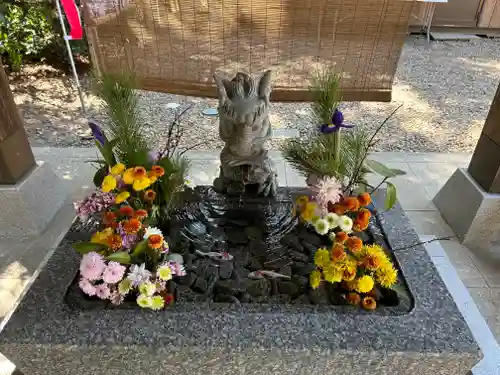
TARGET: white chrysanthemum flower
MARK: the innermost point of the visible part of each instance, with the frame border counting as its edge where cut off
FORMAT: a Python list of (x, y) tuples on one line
[(188, 182), (152, 230), (333, 220), (321, 226), (345, 223), (332, 237)]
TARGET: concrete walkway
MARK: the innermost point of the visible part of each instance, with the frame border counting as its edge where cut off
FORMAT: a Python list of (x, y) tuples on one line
[(426, 173)]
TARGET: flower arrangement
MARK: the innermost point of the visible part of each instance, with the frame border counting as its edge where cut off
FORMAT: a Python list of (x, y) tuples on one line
[(329, 155), (128, 256), (358, 269)]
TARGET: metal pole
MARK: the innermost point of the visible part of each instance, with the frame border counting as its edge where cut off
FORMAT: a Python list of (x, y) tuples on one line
[(71, 60)]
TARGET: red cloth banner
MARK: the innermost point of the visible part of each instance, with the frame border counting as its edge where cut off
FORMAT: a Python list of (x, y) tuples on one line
[(73, 17)]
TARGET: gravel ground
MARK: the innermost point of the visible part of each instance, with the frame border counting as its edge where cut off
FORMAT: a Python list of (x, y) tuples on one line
[(446, 90)]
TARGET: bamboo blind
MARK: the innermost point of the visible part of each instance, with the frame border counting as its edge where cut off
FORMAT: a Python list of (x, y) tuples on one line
[(175, 45)]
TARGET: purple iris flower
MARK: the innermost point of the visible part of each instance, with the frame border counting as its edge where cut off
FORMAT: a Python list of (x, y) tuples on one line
[(153, 156), (337, 123), (97, 132)]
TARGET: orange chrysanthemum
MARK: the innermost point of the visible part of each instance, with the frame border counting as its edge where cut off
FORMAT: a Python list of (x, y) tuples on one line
[(109, 219), (350, 285), (354, 244), (126, 211), (372, 293), (115, 242), (155, 241), (149, 195), (341, 237), (338, 252), (132, 226), (359, 225), (158, 170), (152, 177), (364, 199), (351, 203), (364, 215), (371, 262), (349, 274), (369, 303), (141, 214), (353, 298), (139, 173), (336, 208)]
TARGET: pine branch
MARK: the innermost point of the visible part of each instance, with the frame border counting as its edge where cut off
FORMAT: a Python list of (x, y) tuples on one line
[(124, 125)]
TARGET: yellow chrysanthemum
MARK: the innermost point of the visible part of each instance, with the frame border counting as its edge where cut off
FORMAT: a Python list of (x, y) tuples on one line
[(124, 286), (322, 257), (364, 284), (165, 273), (315, 279), (122, 197), (332, 274), (128, 176), (377, 252), (144, 301), (117, 169), (302, 200), (141, 184), (108, 184), (157, 303), (102, 237), (386, 276), (309, 211)]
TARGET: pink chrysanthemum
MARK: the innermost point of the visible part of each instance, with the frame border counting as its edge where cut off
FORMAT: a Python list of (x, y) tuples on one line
[(92, 266), (94, 203), (102, 291), (87, 287), (177, 269), (113, 273), (116, 298), (327, 189)]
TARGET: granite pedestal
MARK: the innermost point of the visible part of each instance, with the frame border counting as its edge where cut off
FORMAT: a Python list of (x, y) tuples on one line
[(44, 336), (29, 205), (472, 213)]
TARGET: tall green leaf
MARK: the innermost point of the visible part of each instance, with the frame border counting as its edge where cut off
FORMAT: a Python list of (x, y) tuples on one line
[(382, 170), (87, 247), (120, 257), (390, 195)]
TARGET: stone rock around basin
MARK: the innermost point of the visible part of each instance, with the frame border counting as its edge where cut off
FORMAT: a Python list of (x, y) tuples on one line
[(261, 235), (45, 336)]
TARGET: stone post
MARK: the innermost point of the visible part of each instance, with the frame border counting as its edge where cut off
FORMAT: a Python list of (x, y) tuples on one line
[(470, 200), (16, 157), (30, 193)]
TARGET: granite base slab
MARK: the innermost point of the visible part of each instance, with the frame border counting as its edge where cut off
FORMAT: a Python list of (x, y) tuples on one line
[(45, 336), (476, 223)]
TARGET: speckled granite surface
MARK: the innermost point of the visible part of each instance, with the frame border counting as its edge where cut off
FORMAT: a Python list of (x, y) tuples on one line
[(45, 337)]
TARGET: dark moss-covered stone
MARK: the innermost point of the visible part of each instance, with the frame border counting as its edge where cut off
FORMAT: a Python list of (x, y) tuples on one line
[(225, 270), (278, 263), (200, 285), (187, 280), (258, 288), (292, 241), (253, 233), (288, 287)]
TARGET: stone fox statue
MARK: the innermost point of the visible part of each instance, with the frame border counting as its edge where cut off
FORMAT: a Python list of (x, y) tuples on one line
[(244, 127)]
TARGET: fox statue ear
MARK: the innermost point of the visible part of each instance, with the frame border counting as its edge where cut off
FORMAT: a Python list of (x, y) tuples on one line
[(221, 83), (265, 85)]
